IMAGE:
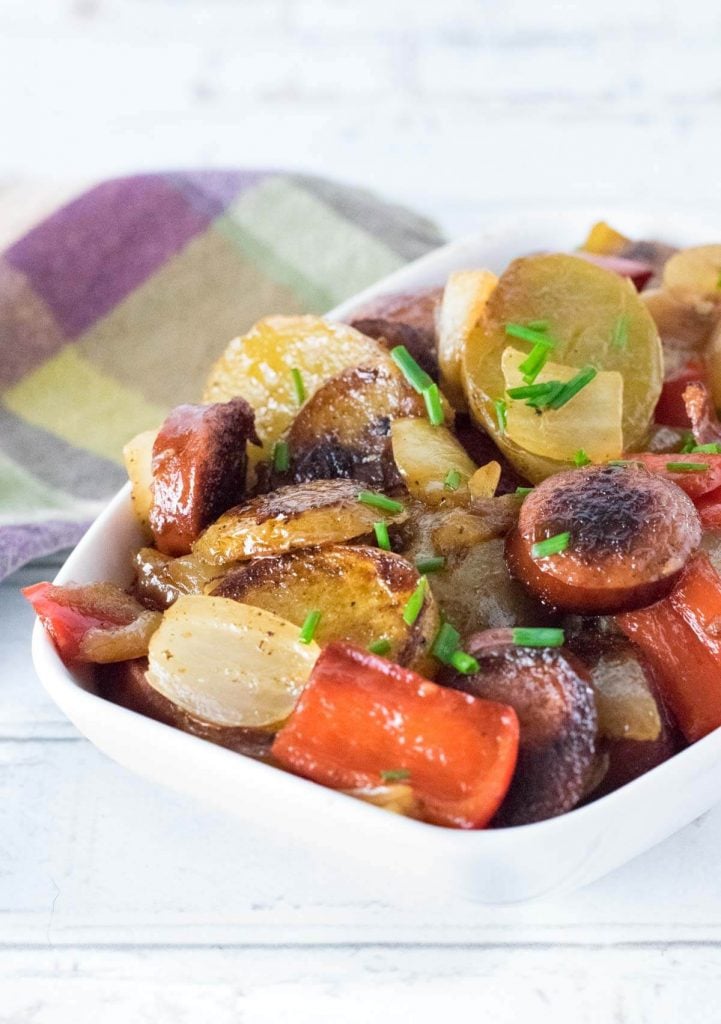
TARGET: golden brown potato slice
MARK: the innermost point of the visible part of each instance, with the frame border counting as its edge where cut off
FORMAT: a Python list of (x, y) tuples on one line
[(260, 367), (361, 593), (300, 516), (593, 317), (464, 299), (344, 429), (138, 458), (694, 272)]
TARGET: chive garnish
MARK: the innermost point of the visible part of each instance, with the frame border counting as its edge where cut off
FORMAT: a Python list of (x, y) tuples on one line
[(551, 546), (434, 563), (307, 630), (452, 480), (432, 398), (571, 388), (624, 462), (532, 390), (538, 325), (381, 646), (529, 334), (689, 444), (687, 467), (714, 448), (414, 604), (500, 407), (464, 663), (534, 363), (619, 337), (395, 775), (538, 636), (382, 538), (414, 374), (445, 644), (281, 457), (523, 490), (298, 386), (379, 501), (580, 459)]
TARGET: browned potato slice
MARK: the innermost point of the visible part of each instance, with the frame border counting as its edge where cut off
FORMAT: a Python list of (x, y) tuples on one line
[(138, 458), (694, 272), (685, 325), (464, 299), (408, 319), (361, 593), (425, 455), (259, 366), (594, 317), (344, 430), (300, 516)]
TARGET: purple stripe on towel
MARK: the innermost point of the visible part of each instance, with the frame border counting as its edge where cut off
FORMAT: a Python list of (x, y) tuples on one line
[(212, 192), (93, 252), (20, 544)]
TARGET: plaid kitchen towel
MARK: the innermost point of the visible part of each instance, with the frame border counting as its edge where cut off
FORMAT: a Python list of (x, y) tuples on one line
[(113, 308)]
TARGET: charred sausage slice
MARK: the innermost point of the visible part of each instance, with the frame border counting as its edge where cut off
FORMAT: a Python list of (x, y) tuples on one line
[(550, 691), (407, 318), (199, 466), (630, 533)]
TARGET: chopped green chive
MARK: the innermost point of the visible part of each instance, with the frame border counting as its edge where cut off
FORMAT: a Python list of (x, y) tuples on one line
[(464, 663), (534, 335), (500, 407), (532, 636), (624, 462), (533, 391), (687, 467), (580, 459), (381, 646), (689, 444), (432, 564), (298, 386), (432, 398), (445, 644), (379, 501), (281, 457), (523, 490), (382, 538), (307, 630), (714, 448), (538, 325), (414, 604), (619, 337), (395, 775), (571, 388), (452, 480), (414, 374), (551, 546), (534, 362)]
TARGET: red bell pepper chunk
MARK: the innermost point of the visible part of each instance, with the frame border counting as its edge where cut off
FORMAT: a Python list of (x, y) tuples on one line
[(709, 510), (681, 638), (695, 483), (671, 409), (361, 716)]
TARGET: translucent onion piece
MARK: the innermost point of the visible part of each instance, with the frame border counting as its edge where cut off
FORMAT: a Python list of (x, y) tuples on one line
[(425, 455)]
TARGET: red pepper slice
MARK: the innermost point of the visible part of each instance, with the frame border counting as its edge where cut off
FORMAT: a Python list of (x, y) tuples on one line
[(681, 637), (696, 484), (361, 716), (671, 408)]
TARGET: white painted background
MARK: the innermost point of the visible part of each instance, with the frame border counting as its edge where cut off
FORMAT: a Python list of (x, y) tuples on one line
[(120, 902)]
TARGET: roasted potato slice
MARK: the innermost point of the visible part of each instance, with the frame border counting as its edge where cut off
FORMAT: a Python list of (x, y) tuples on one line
[(593, 316), (434, 466), (228, 664), (407, 318), (361, 593), (138, 459), (694, 273), (300, 516), (464, 299), (199, 466), (259, 366), (344, 429)]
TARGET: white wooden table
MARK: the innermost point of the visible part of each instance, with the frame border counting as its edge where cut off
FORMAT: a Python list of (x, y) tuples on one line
[(127, 902)]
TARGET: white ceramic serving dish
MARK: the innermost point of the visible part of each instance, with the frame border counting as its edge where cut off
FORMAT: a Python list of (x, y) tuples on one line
[(492, 866)]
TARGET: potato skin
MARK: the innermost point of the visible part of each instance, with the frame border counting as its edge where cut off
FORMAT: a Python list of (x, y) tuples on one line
[(125, 683), (550, 691), (404, 318), (360, 591), (344, 429), (199, 466), (312, 514), (631, 535)]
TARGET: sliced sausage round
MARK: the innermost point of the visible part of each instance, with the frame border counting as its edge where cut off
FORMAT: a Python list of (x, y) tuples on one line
[(630, 534)]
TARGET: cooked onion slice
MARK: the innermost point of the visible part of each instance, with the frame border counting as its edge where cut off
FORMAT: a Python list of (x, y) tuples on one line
[(425, 456), (138, 458), (229, 664)]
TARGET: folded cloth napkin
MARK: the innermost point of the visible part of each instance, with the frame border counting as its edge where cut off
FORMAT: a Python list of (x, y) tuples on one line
[(113, 308)]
